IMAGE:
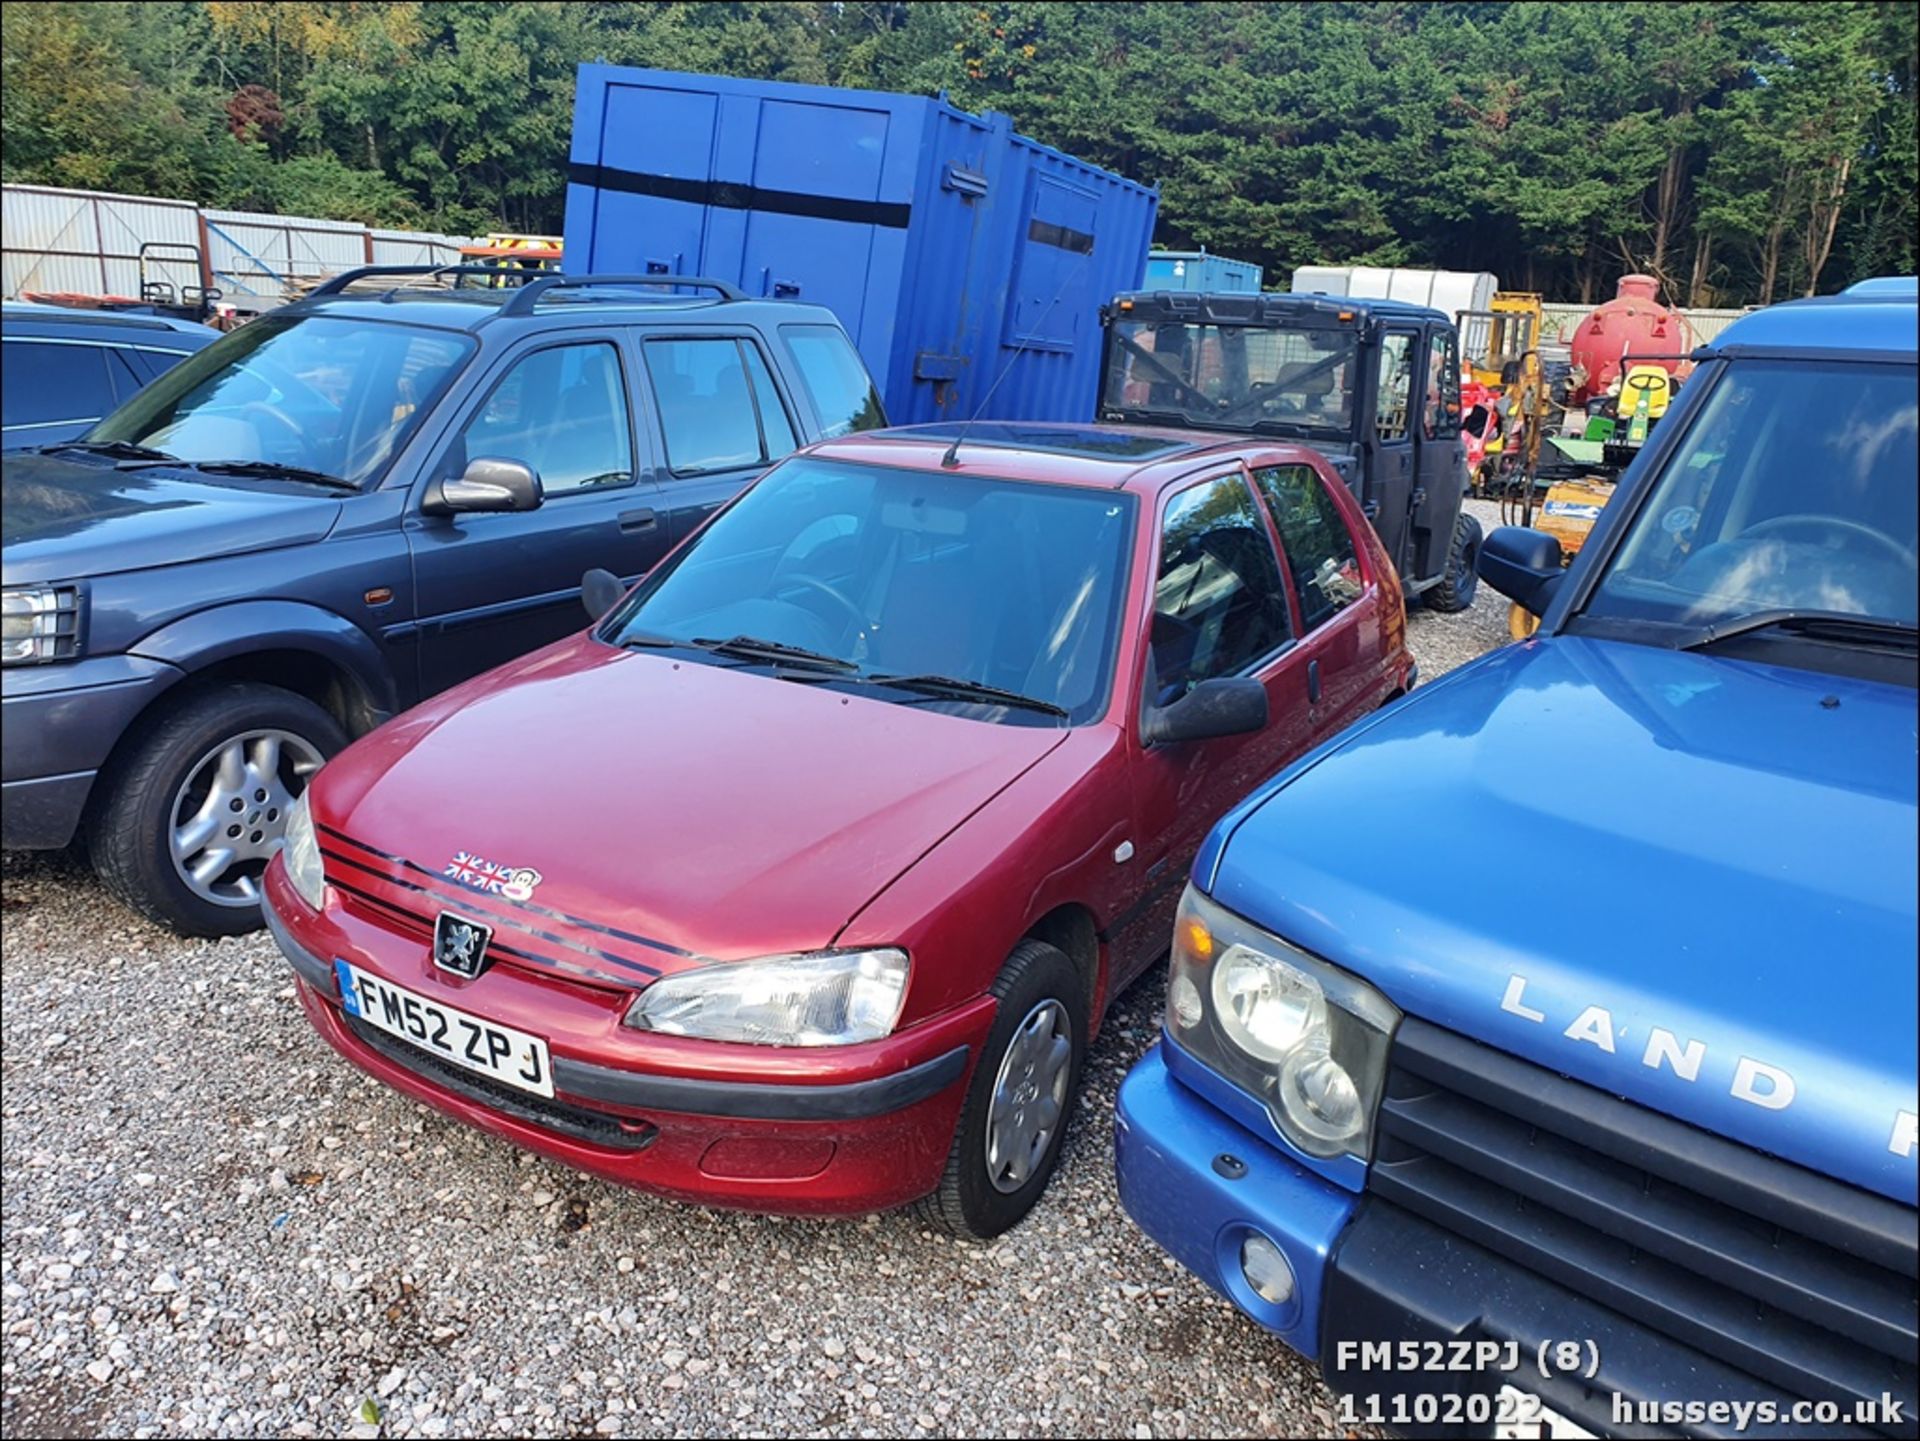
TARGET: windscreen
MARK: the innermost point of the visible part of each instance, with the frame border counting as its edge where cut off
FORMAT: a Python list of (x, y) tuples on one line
[(897, 572), (329, 395), (1792, 489), (1290, 379)]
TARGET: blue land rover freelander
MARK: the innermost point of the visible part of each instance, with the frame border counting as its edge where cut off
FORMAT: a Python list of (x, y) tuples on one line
[(1601, 1119), (344, 507)]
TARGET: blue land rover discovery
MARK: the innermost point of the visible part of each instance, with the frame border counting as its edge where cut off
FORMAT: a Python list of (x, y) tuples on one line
[(1602, 1119)]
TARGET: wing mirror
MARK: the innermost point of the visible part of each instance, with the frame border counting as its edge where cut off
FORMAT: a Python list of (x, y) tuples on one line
[(600, 592), (491, 483), (1223, 706), (1523, 565)]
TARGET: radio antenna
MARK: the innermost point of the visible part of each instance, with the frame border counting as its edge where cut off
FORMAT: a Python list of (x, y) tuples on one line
[(952, 457)]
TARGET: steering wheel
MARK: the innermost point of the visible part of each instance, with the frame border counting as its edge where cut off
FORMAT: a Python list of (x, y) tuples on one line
[(291, 427), (1831, 524), (834, 594)]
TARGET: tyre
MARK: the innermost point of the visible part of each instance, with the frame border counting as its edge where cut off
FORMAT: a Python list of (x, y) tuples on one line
[(1020, 1099), (185, 822), (1456, 587)]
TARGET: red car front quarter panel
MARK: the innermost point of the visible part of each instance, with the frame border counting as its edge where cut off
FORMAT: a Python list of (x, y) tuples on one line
[(798, 1130)]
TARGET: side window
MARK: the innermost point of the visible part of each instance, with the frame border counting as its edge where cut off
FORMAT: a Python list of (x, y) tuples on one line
[(708, 412), (1320, 549), (47, 384), (774, 424), (1219, 603), (1394, 400), (1443, 385), (127, 375), (835, 378), (562, 411)]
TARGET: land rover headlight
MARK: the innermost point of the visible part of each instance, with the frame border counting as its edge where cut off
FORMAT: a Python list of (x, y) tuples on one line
[(39, 623), (826, 998), (301, 848), (1306, 1038)]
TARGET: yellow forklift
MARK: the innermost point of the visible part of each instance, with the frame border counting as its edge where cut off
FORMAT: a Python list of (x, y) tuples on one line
[(516, 257)]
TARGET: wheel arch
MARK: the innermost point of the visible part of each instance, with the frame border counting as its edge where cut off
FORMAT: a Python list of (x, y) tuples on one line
[(303, 648), (1071, 929)]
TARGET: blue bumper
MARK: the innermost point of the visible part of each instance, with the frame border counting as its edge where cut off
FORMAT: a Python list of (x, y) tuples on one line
[(61, 723), (1199, 1184)]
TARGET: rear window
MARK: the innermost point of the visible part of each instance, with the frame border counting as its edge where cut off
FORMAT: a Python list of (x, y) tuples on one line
[(718, 407), (831, 370)]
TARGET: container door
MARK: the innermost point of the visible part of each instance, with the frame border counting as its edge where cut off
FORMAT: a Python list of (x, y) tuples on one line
[(656, 154), (1388, 482), (818, 213), (1051, 303), (1440, 457)]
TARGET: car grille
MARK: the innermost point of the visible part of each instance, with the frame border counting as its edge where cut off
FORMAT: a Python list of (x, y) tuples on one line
[(400, 896), (1787, 1275), (569, 1120)]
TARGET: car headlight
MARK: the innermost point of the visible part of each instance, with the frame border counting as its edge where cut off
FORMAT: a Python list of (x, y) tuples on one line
[(39, 623), (301, 849), (1306, 1038), (829, 998)]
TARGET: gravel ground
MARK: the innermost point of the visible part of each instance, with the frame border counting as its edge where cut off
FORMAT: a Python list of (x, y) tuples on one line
[(214, 1226)]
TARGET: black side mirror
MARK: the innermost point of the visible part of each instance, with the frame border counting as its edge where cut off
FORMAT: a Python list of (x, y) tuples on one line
[(600, 592), (1224, 706), (1523, 565), (491, 483)]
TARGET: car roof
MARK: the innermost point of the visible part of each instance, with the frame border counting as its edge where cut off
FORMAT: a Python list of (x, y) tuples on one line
[(17, 310), (1244, 308), (1140, 458), (1876, 317), (474, 309)]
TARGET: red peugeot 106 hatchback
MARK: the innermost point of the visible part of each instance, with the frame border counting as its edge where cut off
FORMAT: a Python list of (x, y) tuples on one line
[(801, 880)]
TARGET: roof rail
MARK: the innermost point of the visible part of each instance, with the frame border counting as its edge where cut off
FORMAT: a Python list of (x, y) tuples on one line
[(334, 284), (527, 296)]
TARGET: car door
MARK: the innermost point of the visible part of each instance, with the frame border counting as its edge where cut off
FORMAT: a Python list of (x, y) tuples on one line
[(1219, 607), (723, 419), (1338, 600), (1388, 498), (1440, 469), (56, 389), (490, 587)]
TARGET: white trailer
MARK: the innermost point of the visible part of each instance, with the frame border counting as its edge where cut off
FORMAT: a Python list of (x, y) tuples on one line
[(1448, 291)]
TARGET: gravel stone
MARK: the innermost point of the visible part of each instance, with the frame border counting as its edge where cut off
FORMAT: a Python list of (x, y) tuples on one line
[(214, 1226)]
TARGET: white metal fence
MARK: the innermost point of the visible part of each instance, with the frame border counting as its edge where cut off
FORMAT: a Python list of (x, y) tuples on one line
[(90, 243)]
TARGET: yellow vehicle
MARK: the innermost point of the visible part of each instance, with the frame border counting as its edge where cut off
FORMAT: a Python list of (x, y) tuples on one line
[(513, 255), (1654, 383), (1493, 341)]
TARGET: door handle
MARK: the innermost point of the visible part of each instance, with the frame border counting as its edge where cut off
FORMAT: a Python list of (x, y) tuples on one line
[(1313, 682), (635, 520)]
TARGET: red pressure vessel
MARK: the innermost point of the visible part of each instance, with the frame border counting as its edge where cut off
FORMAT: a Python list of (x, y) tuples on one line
[(1633, 324)]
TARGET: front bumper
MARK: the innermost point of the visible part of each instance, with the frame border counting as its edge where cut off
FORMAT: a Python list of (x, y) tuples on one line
[(1379, 1287), (58, 725), (861, 1129)]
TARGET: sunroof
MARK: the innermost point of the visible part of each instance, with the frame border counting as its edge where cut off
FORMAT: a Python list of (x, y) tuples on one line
[(1092, 442)]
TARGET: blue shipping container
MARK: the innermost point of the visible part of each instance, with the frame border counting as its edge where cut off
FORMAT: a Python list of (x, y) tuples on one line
[(948, 245), (1197, 270)]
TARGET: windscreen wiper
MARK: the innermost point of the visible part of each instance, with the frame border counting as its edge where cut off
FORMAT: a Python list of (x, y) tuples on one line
[(954, 688), (113, 450), (775, 652), (272, 470), (1829, 625)]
